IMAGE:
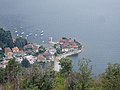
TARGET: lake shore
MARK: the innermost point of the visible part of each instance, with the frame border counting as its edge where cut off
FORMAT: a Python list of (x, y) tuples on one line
[(57, 59), (68, 54)]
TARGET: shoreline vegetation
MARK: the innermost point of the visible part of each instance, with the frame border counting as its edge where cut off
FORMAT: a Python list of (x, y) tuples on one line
[(22, 67)]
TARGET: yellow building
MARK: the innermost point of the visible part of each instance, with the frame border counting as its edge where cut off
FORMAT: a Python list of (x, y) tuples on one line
[(9, 53)]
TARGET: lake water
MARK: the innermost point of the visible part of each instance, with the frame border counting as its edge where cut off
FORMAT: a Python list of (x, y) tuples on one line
[(95, 23)]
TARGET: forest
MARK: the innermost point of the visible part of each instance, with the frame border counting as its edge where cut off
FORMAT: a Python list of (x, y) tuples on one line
[(33, 77)]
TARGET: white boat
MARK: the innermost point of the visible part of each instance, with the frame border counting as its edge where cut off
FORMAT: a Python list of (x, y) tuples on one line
[(42, 31), (41, 34), (16, 31), (27, 35), (30, 33), (35, 34), (22, 32)]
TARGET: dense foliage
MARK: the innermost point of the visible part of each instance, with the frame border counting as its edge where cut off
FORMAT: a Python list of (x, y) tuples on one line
[(1, 55), (20, 42), (78, 44), (41, 49), (15, 77), (5, 39), (85, 71), (111, 77), (25, 63), (66, 65)]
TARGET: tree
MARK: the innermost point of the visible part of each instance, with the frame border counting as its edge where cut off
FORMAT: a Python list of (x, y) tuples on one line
[(78, 44), (1, 55), (55, 45), (85, 71), (31, 77), (20, 42), (72, 81), (47, 81), (25, 63), (81, 80), (58, 51), (3, 45), (9, 40), (66, 65), (2, 75), (37, 78), (111, 77), (59, 82), (5, 39), (13, 69), (41, 49), (62, 82)]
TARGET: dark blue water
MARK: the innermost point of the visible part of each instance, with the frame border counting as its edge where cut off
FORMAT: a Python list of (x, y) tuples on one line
[(95, 23)]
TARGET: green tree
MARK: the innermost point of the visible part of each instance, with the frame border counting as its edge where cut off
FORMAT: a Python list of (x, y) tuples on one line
[(5, 38), (41, 49), (78, 44), (60, 83), (66, 65), (9, 40), (85, 71), (111, 77), (25, 63), (13, 70), (47, 81), (2, 75), (36, 78), (55, 45), (58, 51), (20, 42), (1, 55), (72, 81)]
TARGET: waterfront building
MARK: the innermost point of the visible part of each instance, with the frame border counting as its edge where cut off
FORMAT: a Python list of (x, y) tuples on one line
[(67, 45)]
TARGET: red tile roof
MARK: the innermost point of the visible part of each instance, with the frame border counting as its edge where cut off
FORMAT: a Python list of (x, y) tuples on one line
[(41, 57)]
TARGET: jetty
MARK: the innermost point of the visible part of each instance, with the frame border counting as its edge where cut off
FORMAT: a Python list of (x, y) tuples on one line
[(68, 54)]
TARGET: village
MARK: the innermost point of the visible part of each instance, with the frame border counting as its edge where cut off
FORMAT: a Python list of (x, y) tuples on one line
[(38, 53)]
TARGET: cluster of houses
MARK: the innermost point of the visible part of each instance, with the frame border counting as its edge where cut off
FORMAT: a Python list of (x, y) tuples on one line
[(31, 52), (27, 53), (67, 45)]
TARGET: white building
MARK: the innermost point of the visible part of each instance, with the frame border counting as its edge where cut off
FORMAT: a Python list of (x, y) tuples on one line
[(31, 59)]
